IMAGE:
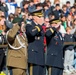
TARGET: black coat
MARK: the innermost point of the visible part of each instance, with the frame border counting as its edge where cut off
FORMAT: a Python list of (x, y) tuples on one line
[(4, 9), (1, 56), (69, 38), (54, 49), (35, 44), (57, 13)]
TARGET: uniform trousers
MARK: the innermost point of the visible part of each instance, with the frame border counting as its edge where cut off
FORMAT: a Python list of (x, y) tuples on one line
[(18, 71), (37, 70), (56, 71)]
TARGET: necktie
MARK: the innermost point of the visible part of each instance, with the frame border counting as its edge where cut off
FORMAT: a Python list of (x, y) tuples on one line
[(44, 30)]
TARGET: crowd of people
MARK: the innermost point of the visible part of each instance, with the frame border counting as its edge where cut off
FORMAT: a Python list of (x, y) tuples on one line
[(41, 38)]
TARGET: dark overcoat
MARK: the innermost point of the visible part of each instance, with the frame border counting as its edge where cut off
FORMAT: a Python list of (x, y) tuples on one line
[(1, 56), (57, 13), (35, 44)]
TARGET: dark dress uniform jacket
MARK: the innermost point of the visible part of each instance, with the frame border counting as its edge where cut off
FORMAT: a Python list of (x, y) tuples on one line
[(35, 45), (54, 49)]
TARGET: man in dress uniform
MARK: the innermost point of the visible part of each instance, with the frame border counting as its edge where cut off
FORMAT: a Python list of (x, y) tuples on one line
[(35, 37), (54, 59), (17, 50)]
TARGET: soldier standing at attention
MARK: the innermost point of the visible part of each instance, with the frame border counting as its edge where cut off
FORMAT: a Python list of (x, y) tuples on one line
[(17, 50), (35, 37), (54, 59)]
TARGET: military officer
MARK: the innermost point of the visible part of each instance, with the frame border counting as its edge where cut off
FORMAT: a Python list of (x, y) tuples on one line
[(17, 50), (54, 59), (35, 37)]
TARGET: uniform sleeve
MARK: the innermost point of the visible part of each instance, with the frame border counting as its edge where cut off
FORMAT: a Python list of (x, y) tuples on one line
[(32, 30), (12, 32), (50, 31)]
